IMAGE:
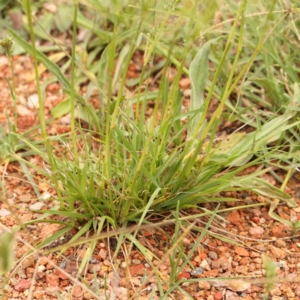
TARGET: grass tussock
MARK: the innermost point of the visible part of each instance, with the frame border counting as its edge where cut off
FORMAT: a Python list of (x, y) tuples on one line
[(124, 166)]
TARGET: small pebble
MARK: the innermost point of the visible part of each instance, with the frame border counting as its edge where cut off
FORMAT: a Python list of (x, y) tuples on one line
[(256, 231), (197, 271), (41, 268), (280, 243), (260, 247), (262, 220), (136, 261), (212, 255), (275, 291), (215, 264), (204, 285), (297, 291), (94, 268), (204, 264), (36, 206), (33, 101), (289, 293)]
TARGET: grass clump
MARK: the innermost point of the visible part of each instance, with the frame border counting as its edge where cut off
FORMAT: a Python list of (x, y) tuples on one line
[(128, 164), (124, 165)]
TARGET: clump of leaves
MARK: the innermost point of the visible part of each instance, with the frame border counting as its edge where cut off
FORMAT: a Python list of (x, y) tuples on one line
[(135, 166)]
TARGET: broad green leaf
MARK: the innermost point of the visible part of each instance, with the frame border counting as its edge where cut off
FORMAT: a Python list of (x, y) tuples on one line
[(61, 108), (198, 74), (90, 25), (264, 188), (42, 30), (268, 133), (63, 17)]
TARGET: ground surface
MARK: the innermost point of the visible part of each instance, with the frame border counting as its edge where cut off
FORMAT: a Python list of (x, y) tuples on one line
[(256, 234)]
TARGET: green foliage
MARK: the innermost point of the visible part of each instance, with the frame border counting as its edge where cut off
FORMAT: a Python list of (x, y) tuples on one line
[(63, 18), (136, 162), (124, 164)]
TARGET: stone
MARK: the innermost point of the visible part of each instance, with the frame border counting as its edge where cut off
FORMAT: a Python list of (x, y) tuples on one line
[(204, 265), (244, 261), (278, 231), (33, 101), (242, 270), (237, 285), (94, 268), (275, 291), (37, 206), (184, 275), (234, 218), (297, 291), (22, 285), (276, 252), (136, 261), (52, 279), (204, 285), (139, 270), (39, 295), (222, 250), (215, 264), (212, 255), (225, 262), (280, 243), (218, 296), (4, 212), (256, 231), (254, 254), (61, 275), (23, 111), (241, 251), (49, 229), (77, 292), (103, 253), (197, 271), (121, 292), (260, 247), (87, 296), (51, 290), (289, 293), (51, 7), (185, 83), (231, 295)]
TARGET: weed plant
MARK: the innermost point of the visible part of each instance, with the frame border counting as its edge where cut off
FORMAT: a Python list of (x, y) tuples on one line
[(126, 165)]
